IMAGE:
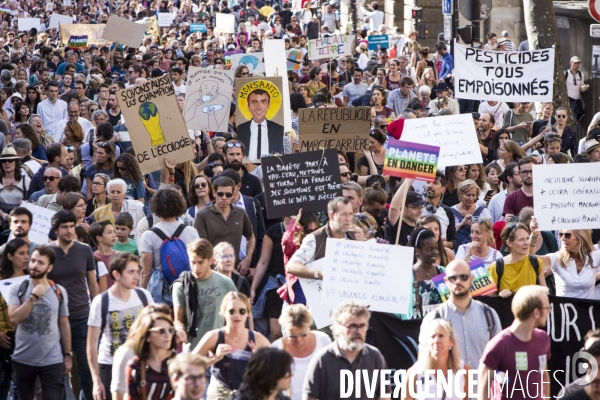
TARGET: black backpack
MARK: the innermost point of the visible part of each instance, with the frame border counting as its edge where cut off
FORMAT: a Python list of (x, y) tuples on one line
[(104, 307), (535, 264)]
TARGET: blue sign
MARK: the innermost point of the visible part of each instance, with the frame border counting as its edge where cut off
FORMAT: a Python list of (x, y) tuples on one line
[(377, 42), (447, 7), (198, 28)]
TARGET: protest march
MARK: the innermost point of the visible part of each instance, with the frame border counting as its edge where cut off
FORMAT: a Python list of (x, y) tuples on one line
[(293, 200)]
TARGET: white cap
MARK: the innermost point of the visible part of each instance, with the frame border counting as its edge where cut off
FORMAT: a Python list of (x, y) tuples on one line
[(504, 33)]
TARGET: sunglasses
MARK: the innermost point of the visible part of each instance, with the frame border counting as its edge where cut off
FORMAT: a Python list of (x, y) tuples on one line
[(345, 174), (561, 116), (218, 63), (462, 277), (566, 235), (98, 183), (70, 149), (163, 331), (200, 185), (461, 169), (383, 127), (242, 311), (49, 178), (245, 73), (232, 145), (228, 195), (228, 257), (6, 161)]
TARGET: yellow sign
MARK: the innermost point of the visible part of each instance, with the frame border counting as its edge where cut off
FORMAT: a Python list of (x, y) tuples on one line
[(260, 86)]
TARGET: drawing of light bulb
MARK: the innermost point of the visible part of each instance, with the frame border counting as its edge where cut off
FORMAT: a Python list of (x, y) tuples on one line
[(151, 120)]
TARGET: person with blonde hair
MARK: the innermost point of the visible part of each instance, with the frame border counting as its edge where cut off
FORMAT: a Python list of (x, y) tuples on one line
[(467, 211), (224, 255), (575, 265), (188, 376), (300, 342), (509, 152), (481, 246)]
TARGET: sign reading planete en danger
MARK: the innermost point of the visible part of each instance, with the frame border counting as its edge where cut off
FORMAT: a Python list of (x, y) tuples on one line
[(155, 124), (342, 128), (331, 46), (566, 196), (411, 160), (511, 76)]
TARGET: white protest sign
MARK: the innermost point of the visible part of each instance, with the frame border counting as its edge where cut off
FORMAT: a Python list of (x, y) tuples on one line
[(566, 196), (42, 223), (255, 62), (332, 46), (49, 6), (312, 292), (225, 23), (455, 135), (165, 19), (503, 75), (67, 3), (276, 65), (369, 273), (56, 19), (26, 24), (208, 99), (7, 284)]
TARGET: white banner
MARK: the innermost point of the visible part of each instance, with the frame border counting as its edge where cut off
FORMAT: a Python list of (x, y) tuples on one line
[(56, 19), (255, 62), (165, 19), (6, 285), (276, 65), (511, 76), (42, 222), (312, 291), (566, 196), (330, 47), (455, 135), (25, 24), (225, 23)]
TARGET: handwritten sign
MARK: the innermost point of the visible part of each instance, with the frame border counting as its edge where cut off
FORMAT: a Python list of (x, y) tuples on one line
[(276, 65), (208, 99), (454, 134), (301, 180), (42, 222), (482, 285), (165, 19), (7, 284), (155, 123), (94, 32), (225, 23), (342, 128), (255, 62), (312, 289), (124, 31), (411, 160), (78, 42), (369, 273), (503, 75), (57, 19), (328, 47), (378, 42), (566, 196), (25, 24)]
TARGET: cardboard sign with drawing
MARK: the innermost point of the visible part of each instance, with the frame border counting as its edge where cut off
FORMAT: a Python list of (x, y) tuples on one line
[(208, 99)]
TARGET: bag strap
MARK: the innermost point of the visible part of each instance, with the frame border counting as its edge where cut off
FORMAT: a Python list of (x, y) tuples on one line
[(142, 296), (160, 233), (143, 381), (499, 271), (535, 264), (489, 318), (179, 231), (104, 312)]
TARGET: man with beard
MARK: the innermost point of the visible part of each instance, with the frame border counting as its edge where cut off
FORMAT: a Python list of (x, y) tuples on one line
[(20, 223), (43, 341), (234, 153), (473, 322), (348, 352), (523, 197), (511, 177), (434, 192), (403, 216), (520, 349)]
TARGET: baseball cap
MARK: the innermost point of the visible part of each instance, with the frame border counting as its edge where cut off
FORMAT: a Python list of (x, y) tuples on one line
[(419, 106), (575, 59), (157, 72), (504, 33), (413, 199), (231, 47)]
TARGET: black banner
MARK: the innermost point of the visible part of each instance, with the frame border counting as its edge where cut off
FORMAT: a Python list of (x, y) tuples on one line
[(567, 325), (301, 180)]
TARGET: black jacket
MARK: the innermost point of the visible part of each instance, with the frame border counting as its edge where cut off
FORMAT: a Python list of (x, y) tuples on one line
[(192, 306)]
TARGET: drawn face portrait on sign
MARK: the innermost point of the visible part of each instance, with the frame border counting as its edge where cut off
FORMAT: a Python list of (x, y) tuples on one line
[(260, 116), (208, 99)]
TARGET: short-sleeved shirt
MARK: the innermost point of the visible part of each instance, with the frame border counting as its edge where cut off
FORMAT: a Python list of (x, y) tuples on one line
[(118, 321), (322, 379), (37, 340), (211, 292), (515, 275), (70, 270), (516, 201), (571, 284), (505, 352), (150, 242), (353, 91), (513, 119), (90, 172), (129, 247), (135, 191), (211, 225)]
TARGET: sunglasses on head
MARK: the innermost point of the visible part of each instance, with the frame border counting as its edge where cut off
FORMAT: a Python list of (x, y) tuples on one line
[(566, 235), (49, 178), (70, 149), (200, 185), (462, 277), (163, 331), (228, 195), (232, 145), (242, 311)]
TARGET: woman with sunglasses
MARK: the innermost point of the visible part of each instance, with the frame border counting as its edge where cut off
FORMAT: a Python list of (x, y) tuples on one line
[(432, 223), (230, 347), (27, 131), (73, 138), (242, 72), (566, 133), (214, 164), (455, 175), (180, 174), (127, 168), (300, 342), (46, 140), (224, 255), (378, 104), (14, 185), (200, 194), (154, 344)]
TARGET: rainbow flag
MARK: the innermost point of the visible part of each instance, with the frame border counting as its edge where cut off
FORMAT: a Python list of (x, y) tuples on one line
[(78, 42), (4, 10), (482, 285), (411, 160)]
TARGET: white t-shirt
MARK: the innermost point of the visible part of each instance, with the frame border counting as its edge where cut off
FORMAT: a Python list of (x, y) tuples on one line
[(574, 83), (123, 355), (179, 89), (571, 284), (488, 260), (150, 242), (300, 366), (120, 317)]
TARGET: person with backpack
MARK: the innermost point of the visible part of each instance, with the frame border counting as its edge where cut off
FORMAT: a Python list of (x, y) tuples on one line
[(38, 308), (163, 247), (474, 322), (467, 211), (518, 268), (111, 315), (575, 86)]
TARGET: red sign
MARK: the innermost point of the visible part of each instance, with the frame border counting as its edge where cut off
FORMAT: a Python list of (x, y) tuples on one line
[(594, 9)]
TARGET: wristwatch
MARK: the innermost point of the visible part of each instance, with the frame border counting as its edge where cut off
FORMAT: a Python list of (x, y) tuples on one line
[(316, 275), (69, 353)]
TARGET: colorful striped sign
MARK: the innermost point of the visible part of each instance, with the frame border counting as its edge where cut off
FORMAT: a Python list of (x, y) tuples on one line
[(78, 42), (482, 285), (411, 160)]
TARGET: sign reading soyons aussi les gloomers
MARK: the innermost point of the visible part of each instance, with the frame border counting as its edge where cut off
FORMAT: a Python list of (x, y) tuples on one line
[(511, 76)]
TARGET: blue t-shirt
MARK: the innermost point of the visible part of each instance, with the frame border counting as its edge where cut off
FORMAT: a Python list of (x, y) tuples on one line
[(90, 172), (135, 191)]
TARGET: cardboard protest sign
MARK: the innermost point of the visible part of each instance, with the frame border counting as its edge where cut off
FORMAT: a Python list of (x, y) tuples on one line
[(343, 128), (312, 289), (482, 285), (454, 134), (78, 42), (156, 126), (566, 196), (123, 31), (198, 28), (332, 46), (165, 19), (294, 59), (57, 19), (411, 160), (25, 24), (255, 62), (378, 42), (259, 109), (304, 181), (511, 76), (276, 65), (94, 32), (208, 99), (369, 273), (38, 233), (225, 23)]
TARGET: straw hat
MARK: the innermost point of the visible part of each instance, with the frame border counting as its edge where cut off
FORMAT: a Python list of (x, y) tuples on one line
[(9, 153)]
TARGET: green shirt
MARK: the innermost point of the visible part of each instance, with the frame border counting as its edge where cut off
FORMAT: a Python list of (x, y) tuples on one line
[(129, 247), (211, 292)]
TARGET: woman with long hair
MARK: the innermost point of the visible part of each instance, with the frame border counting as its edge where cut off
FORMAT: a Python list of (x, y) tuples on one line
[(552, 145), (104, 153), (153, 347), (242, 72), (315, 83), (200, 194), (455, 175), (498, 137), (224, 255), (230, 347), (73, 136), (482, 245), (46, 140), (467, 211), (476, 173), (423, 62), (509, 151), (128, 169), (180, 174), (300, 342), (378, 104), (432, 223), (98, 189), (492, 179), (27, 131), (77, 204), (566, 133), (392, 80), (377, 139), (21, 115), (303, 90), (13, 184), (33, 98), (428, 79), (268, 375)]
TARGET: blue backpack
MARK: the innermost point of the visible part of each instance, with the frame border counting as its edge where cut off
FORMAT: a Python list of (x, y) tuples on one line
[(173, 254)]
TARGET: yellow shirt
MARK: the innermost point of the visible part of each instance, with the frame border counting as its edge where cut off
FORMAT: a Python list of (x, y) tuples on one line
[(5, 324), (515, 275), (266, 11)]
